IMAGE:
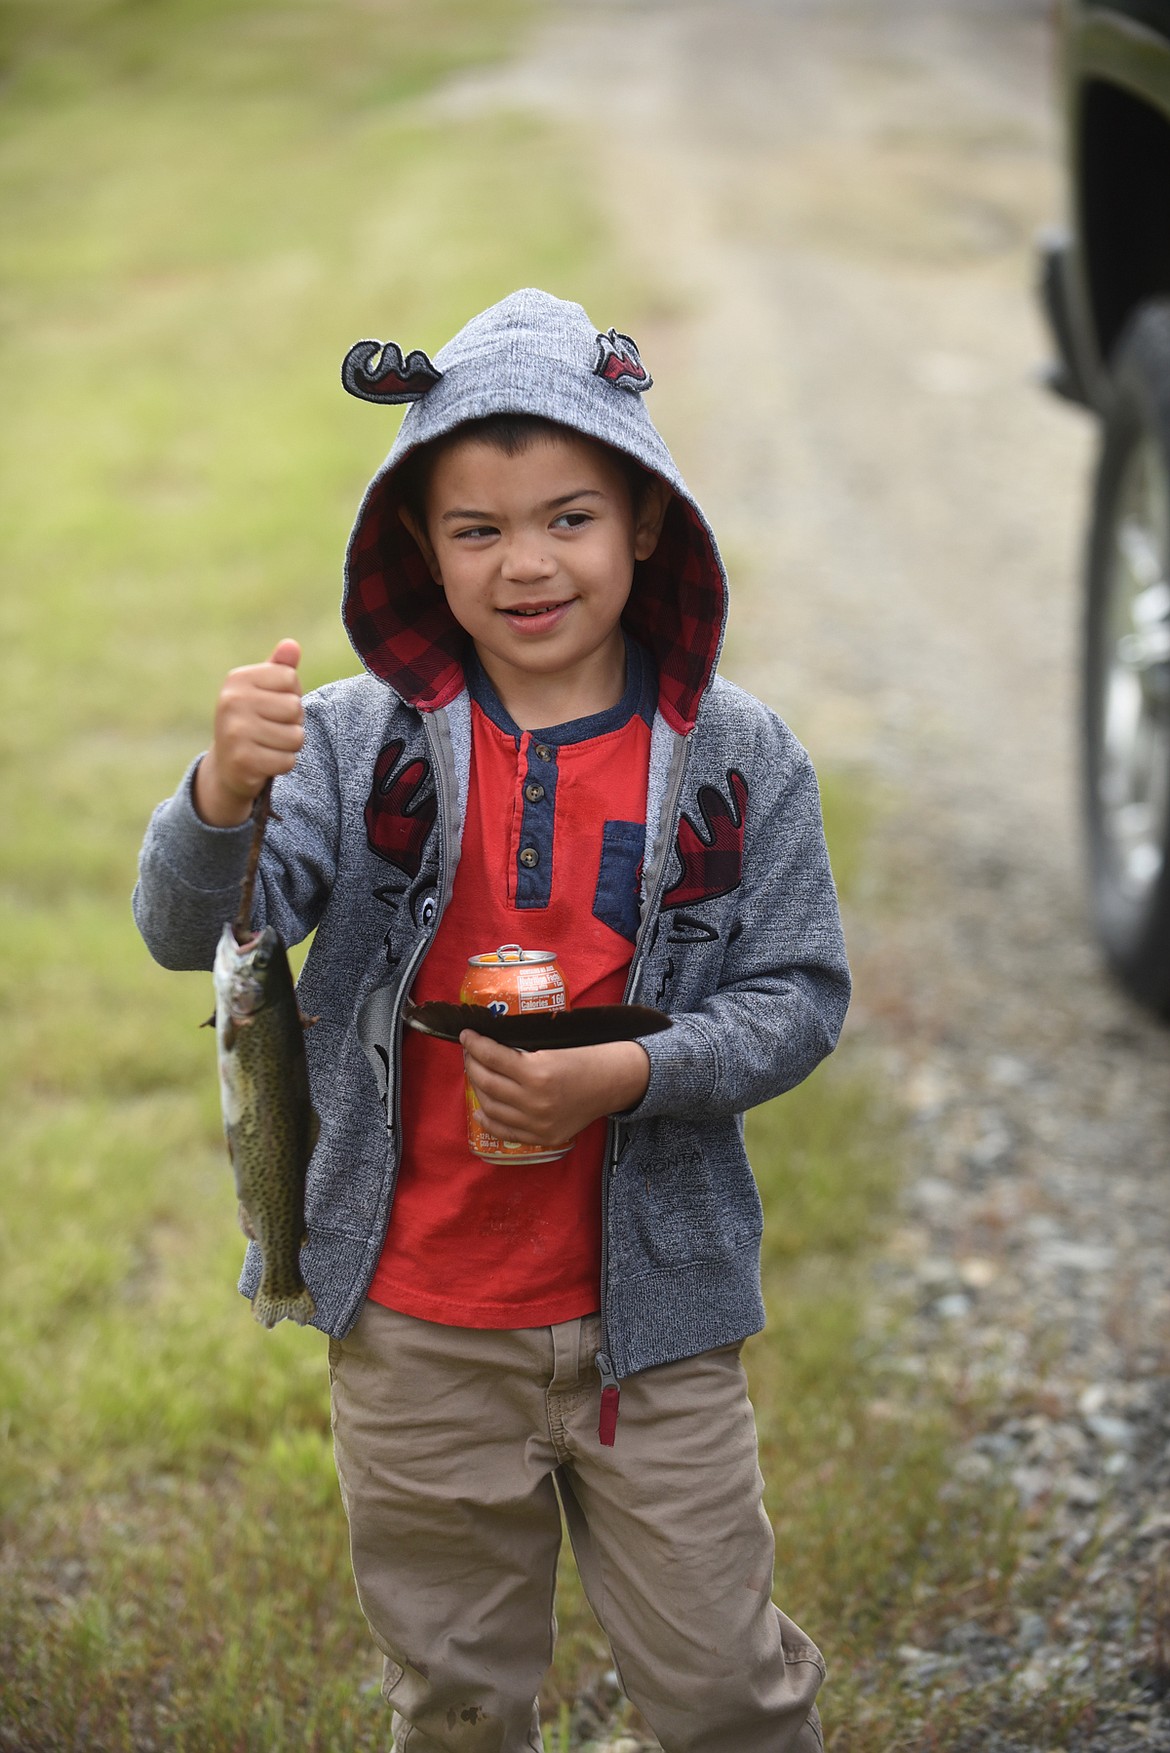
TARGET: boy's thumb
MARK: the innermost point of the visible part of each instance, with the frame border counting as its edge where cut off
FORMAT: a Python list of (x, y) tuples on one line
[(287, 652)]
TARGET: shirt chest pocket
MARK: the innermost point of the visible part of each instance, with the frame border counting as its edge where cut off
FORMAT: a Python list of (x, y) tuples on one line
[(619, 879)]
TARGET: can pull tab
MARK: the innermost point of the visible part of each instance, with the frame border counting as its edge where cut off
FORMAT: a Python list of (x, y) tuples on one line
[(610, 1396)]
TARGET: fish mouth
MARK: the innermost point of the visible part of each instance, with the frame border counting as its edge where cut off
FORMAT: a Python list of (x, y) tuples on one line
[(246, 938)]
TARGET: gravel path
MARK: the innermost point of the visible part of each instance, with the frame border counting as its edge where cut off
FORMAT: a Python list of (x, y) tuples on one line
[(841, 199)]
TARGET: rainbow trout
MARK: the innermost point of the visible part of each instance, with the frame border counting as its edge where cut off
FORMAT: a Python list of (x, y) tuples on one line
[(267, 1115)]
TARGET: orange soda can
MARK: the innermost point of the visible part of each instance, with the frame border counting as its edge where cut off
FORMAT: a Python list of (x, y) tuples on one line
[(511, 982)]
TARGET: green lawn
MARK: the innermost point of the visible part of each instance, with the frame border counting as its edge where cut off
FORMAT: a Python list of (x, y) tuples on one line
[(203, 205)]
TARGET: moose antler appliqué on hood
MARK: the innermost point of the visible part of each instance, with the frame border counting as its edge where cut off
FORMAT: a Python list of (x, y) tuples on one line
[(620, 363), (395, 379)]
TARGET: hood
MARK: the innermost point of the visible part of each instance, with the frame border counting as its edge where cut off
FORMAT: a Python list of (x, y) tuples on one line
[(530, 354)]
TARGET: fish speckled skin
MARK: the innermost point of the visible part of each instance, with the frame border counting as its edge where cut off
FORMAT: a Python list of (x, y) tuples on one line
[(267, 1114)]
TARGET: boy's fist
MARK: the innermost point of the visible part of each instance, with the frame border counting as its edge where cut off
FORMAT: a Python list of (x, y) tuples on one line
[(259, 729), (547, 1098)]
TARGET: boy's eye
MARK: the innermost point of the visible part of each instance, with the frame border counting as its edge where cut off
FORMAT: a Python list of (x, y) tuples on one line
[(571, 520), (476, 532)]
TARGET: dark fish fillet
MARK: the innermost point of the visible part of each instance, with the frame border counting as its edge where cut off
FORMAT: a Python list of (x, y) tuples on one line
[(540, 1030)]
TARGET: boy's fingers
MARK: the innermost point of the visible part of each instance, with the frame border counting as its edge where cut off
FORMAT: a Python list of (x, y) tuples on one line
[(288, 653), (277, 708), (242, 730), (268, 693), (491, 1055), (507, 1118), (496, 1086), (285, 738), (275, 678), (243, 706)]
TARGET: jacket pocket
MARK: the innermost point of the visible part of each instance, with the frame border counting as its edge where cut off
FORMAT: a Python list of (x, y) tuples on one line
[(616, 901), (686, 1194)]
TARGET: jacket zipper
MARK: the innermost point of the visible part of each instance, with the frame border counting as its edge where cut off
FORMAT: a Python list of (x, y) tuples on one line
[(610, 1397), (610, 1386), (394, 1117)]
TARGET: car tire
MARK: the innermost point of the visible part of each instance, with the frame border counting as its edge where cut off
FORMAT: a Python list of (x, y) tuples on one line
[(1126, 674)]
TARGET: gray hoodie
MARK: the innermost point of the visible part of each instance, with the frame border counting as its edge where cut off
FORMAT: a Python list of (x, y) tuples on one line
[(739, 937)]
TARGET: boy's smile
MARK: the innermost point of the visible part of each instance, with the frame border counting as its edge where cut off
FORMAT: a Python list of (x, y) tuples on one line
[(535, 553)]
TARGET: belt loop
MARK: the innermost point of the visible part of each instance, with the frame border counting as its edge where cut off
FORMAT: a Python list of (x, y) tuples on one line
[(574, 1345), (563, 1353)]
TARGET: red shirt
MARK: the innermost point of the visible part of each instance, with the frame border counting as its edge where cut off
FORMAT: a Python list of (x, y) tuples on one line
[(476, 1244)]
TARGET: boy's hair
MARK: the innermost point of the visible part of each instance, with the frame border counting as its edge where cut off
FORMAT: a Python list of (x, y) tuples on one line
[(512, 434)]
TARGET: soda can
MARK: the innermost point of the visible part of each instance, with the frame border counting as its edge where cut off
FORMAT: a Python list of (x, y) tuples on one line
[(511, 982)]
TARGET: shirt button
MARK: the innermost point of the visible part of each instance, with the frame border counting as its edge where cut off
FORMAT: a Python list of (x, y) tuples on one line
[(530, 858), (543, 752), (534, 792)]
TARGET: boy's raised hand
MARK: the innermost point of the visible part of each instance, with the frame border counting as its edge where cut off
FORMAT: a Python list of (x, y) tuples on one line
[(259, 729), (547, 1098)]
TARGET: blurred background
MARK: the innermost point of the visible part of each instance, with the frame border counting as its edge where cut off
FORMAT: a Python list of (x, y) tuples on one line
[(817, 219)]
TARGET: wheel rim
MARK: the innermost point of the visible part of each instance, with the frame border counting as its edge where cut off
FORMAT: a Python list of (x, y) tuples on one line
[(1133, 780)]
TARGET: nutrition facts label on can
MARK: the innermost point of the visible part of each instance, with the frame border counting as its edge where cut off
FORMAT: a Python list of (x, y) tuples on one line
[(540, 989)]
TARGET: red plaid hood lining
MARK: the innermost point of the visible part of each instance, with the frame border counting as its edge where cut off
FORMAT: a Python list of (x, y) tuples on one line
[(404, 633)]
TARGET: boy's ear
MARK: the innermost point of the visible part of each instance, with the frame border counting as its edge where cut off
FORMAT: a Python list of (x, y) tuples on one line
[(423, 541), (652, 509)]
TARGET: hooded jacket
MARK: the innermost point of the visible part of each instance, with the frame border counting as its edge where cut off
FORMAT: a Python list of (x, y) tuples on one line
[(739, 936)]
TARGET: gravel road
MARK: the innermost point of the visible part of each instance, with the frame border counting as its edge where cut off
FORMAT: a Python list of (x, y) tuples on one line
[(839, 201)]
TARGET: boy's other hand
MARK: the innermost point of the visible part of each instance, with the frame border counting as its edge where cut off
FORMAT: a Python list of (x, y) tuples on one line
[(547, 1098), (259, 729)]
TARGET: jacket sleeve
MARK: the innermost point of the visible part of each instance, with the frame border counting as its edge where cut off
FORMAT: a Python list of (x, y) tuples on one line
[(189, 873), (784, 982)]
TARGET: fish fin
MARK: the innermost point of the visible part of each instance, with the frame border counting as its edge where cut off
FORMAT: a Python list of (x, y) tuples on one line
[(210, 1023), (269, 1309), (232, 1027), (307, 1022), (246, 1223)]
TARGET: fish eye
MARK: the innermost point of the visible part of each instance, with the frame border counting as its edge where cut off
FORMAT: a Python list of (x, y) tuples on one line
[(262, 958)]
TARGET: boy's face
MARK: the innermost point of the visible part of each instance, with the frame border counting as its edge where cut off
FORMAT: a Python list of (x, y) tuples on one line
[(536, 553)]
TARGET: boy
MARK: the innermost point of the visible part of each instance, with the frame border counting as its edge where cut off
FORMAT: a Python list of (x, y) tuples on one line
[(541, 754)]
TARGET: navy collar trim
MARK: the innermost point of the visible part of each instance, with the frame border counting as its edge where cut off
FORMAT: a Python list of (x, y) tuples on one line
[(639, 698)]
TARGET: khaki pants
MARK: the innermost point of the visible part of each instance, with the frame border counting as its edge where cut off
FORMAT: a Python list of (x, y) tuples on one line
[(452, 1446)]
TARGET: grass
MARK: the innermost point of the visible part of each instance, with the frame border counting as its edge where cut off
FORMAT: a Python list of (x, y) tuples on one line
[(204, 204)]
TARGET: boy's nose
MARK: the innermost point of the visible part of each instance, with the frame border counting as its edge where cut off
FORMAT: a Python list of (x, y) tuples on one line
[(527, 558)]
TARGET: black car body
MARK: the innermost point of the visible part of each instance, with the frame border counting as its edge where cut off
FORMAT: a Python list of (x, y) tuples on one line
[(1105, 284), (1114, 71)]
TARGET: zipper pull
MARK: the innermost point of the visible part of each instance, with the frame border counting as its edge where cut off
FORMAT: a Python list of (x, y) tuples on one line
[(610, 1395)]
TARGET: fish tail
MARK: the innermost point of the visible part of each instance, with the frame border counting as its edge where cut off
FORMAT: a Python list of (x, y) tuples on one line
[(268, 1308)]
